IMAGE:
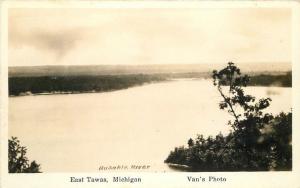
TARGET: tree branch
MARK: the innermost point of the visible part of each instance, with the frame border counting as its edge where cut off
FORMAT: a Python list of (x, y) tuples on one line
[(229, 104)]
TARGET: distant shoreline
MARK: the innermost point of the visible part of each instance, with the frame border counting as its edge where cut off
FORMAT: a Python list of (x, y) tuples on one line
[(28, 93), (82, 92), (98, 70), (57, 85)]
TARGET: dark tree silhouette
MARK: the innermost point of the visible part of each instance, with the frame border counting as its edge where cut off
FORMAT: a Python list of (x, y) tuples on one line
[(258, 141), (17, 160)]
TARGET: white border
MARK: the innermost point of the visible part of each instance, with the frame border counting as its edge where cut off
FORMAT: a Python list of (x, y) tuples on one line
[(173, 179)]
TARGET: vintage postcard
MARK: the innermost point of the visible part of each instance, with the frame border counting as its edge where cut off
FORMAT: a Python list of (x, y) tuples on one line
[(150, 94)]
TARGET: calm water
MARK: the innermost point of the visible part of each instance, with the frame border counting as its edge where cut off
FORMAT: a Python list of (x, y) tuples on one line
[(136, 126)]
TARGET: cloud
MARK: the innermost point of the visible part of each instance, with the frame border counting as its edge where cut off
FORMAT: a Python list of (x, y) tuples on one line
[(58, 42), (148, 36)]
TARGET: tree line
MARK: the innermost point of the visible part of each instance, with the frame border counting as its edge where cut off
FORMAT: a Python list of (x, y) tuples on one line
[(101, 83)]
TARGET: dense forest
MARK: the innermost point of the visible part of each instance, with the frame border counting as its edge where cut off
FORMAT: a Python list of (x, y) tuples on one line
[(284, 80), (258, 141), (76, 84), (101, 83)]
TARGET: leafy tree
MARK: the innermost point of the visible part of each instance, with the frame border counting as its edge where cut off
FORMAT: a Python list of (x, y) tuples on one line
[(280, 138), (258, 141), (17, 160), (248, 123)]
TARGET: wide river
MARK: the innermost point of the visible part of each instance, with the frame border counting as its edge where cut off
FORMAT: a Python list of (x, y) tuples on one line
[(135, 126)]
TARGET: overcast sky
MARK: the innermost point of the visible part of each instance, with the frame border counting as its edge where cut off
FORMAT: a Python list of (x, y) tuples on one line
[(148, 36)]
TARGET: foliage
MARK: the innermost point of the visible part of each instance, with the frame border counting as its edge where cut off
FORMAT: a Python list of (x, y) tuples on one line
[(258, 141), (76, 84), (282, 80), (280, 139), (17, 160), (101, 83)]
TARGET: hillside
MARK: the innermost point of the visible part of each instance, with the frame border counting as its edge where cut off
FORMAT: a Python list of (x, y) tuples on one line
[(84, 70)]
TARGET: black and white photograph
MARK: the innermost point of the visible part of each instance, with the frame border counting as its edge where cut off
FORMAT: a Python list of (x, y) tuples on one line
[(150, 89)]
